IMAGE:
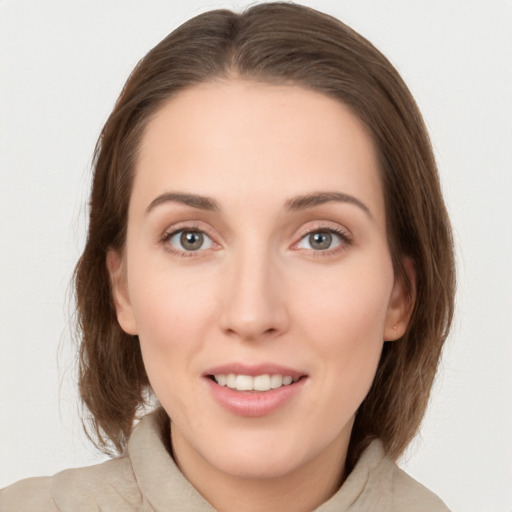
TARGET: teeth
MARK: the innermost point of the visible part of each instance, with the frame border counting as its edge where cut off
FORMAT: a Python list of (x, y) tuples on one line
[(261, 383), (243, 383), (276, 381), (258, 383), (231, 381)]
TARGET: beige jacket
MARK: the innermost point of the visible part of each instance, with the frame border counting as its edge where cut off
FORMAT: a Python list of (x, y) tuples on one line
[(146, 479)]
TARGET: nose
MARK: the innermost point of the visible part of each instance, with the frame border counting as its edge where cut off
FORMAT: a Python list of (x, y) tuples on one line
[(254, 302)]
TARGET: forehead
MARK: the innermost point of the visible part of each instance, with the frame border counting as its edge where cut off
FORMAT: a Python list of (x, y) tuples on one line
[(252, 139)]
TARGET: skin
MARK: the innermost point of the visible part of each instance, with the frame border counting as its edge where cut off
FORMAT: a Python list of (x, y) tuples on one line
[(258, 291)]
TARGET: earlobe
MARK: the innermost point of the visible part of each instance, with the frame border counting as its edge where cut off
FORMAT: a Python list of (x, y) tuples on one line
[(401, 304), (118, 283)]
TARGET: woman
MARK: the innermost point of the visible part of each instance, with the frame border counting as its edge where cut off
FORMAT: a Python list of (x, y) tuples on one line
[(269, 255)]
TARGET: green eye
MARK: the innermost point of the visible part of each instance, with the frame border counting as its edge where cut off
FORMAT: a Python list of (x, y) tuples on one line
[(321, 240), (189, 241)]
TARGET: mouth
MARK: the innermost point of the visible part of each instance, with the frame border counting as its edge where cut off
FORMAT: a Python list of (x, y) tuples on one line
[(254, 390), (261, 383)]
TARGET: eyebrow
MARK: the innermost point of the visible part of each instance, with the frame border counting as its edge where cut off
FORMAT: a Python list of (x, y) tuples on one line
[(293, 204), (319, 198), (193, 200)]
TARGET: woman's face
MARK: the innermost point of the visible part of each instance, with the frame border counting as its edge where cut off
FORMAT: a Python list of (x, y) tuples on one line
[(256, 255)]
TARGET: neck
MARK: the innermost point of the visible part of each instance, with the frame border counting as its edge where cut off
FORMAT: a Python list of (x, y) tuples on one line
[(301, 490)]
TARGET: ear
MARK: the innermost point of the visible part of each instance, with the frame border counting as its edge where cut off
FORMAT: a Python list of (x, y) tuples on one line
[(401, 303), (118, 282)]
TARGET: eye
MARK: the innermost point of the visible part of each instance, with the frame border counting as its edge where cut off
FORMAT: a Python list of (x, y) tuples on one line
[(321, 240), (188, 240)]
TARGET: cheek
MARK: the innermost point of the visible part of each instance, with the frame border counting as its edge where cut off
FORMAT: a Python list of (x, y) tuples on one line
[(344, 320), (349, 304), (166, 297), (172, 311)]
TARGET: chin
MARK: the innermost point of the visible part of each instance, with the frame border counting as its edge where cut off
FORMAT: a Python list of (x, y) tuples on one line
[(261, 455), (256, 464)]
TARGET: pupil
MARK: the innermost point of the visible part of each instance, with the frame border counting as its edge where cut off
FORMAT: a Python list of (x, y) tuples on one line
[(191, 240), (320, 240)]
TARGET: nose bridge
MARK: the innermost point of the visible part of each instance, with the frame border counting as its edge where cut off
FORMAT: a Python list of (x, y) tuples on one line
[(253, 304)]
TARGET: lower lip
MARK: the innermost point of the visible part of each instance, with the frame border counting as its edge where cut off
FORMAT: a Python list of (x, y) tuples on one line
[(254, 403)]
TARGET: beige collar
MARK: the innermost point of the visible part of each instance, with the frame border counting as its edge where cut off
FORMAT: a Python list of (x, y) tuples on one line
[(163, 486)]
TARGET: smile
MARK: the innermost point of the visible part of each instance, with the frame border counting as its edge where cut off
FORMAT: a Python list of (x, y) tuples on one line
[(255, 390), (254, 383)]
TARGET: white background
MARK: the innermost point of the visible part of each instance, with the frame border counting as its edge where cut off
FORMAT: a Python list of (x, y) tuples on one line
[(62, 65)]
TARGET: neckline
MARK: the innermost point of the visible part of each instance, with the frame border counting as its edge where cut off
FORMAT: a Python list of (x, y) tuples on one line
[(162, 484)]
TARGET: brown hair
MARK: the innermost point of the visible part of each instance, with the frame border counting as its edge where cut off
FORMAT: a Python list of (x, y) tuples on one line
[(278, 43)]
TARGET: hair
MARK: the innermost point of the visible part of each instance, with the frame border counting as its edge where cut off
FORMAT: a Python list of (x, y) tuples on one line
[(277, 43)]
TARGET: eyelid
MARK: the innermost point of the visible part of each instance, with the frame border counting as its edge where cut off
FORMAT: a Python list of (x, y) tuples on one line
[(188, 225), (191, 226), (307, 229), (317, 226)]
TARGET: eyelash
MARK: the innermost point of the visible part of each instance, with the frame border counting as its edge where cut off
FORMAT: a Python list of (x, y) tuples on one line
[(344, 237), (168, 235)]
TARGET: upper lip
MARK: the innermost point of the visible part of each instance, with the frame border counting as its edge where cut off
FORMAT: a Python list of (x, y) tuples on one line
[(254, 370)]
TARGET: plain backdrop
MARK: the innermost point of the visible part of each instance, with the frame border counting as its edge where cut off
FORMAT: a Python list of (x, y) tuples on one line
[(62, 65)]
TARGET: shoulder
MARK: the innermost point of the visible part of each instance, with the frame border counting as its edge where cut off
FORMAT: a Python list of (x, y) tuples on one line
[(408, 495), (103, 487), (377, 483)]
